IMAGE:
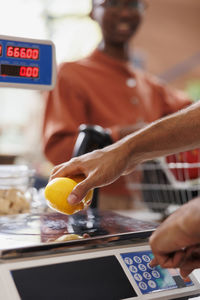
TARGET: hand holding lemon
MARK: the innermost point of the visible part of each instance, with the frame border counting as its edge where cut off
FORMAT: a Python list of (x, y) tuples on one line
[(58, 190)]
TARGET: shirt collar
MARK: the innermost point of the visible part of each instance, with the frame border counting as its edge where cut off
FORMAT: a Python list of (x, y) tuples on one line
[(112, 62)]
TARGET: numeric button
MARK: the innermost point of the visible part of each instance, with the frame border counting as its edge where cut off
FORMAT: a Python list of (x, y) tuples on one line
[(142, 285), (146, 258), (128, 260), (147, 275), (152, 284), (148, 265), (133, 269), (155, 274), (137, 277), (137, 259), (142, 267)]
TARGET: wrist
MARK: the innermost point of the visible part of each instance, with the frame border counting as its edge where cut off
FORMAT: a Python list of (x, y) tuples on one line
[(129, 153)]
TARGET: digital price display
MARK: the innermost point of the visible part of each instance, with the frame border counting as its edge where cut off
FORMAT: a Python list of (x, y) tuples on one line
[(27, 63), (21, 52)]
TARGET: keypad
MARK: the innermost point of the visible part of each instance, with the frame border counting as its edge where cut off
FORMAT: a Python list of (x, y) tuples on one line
[(148, 279)]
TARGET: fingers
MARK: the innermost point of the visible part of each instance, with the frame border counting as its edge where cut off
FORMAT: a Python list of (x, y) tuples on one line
[(80, 191), (186, 259), (188, 266), (75, 167), (154, 262), (191, 261), (186, 272), (86, 236), (72, 168), (63, 170), (177, 261), (58, 171), (171, 260)]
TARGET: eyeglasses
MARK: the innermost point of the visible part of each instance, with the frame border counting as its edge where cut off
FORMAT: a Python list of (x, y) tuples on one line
[(138, 5)]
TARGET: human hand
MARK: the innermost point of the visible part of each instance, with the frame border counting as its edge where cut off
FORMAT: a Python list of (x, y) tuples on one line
[(176, 241), (191, 260), (186, 260), (100, 167)]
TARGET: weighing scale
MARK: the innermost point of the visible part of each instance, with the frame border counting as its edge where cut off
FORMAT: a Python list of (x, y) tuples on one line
[(112, 263), (27, 63)]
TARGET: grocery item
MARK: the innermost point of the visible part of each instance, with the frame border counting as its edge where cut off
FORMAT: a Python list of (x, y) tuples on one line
[(191, 169), (68, 237), (13, 201), (15, 184), (57, 192)]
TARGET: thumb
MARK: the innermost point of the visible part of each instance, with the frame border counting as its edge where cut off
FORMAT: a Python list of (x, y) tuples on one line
[(79, 192)]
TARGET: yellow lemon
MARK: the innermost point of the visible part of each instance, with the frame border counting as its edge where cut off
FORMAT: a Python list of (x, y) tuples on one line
[(69, 237), (57, 192)]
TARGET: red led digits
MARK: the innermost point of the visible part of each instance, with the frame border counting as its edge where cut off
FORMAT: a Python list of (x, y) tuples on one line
[(29, 72), (21, 52), (21, 71), (0, 50), (16, 52)]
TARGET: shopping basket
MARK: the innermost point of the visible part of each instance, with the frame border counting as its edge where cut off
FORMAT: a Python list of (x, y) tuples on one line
[(163, 186)]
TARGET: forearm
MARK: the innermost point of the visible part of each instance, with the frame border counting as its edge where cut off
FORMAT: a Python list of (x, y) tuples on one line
[(175, 133), (129, 129)]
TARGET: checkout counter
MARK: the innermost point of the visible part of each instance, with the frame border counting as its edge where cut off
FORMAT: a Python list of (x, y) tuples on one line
[(111, 263)]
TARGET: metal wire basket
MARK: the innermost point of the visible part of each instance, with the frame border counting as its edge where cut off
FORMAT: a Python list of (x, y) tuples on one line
[(164, 187)]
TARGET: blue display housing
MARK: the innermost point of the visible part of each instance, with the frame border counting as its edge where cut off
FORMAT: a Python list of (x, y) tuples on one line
[(35, 72)]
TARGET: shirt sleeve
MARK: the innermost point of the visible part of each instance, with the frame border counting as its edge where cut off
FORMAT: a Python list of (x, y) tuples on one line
[(172, 99), (65, 110)]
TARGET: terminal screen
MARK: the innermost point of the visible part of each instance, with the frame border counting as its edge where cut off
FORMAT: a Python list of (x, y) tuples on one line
[(98, 278)]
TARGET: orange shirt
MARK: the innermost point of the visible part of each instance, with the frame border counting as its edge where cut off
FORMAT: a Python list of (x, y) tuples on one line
[(103, 91)]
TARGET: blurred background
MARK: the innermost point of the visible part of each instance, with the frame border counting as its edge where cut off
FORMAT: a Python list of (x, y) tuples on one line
[(167, 45)]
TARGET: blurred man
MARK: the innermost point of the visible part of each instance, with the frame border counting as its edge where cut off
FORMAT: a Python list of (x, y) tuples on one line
[(176, 242), (105, 89)]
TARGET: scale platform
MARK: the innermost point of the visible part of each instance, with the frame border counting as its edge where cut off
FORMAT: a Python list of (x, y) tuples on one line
[(111, 263), (28, 234)]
